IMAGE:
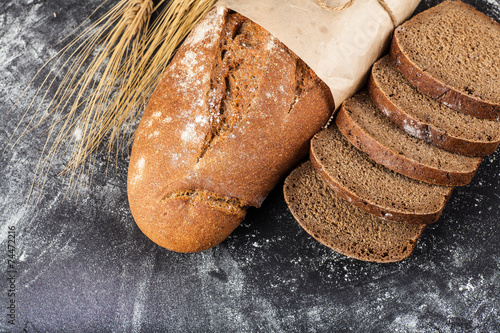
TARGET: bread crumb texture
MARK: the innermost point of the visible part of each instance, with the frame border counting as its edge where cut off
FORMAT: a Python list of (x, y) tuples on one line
[(451, 53), (353, 173), (371, 131), (424, 115), (343, 227)]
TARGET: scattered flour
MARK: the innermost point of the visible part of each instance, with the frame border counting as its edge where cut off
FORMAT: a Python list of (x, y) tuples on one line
[(207, 29), (411, 129), (494, 8), (77, 134), (386, 111), (140, 169), (142, 293), (405, 323), (189, 134), (201, 119), (14, 219), (467, 287), (189, 59), (271, 44), (446, 103), (140, 164)]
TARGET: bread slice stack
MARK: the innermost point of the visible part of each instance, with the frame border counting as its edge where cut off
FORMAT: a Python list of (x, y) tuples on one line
[(388, 164)]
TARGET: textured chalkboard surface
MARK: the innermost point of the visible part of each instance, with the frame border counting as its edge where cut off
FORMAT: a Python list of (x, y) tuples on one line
[(83, 266)]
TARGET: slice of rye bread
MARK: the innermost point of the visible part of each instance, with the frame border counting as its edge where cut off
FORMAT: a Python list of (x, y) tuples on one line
[(353, 175), (451, 52), (369, 130), (427, 119), (344, 227)]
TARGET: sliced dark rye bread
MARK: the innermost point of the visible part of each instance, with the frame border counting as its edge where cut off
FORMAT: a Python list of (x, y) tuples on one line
[(425, 118), (369, 130), (369, 185), (451, 52), (343, 227)]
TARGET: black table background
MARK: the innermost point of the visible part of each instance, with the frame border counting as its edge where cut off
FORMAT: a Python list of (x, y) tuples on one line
[(85, 267)]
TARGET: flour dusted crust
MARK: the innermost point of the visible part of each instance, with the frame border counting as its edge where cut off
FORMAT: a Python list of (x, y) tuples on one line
[(234, 112)]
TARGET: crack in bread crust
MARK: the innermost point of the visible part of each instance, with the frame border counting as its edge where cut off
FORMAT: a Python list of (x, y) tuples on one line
[(228, 205), (235, 81), (219, 83), (302, 75), (227, 107)]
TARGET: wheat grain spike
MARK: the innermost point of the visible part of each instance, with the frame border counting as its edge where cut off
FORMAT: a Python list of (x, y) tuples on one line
[(107, 74)]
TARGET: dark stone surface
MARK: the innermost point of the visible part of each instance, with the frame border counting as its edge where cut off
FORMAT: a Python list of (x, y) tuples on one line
[(83, 266)]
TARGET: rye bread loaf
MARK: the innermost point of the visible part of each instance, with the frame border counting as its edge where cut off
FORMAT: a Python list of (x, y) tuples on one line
[(233, 113), (427, 119), (353, 175), (344, 227), (450, 52), (370, 131)]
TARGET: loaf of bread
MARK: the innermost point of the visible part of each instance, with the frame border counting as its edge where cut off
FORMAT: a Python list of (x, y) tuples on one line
[(234, 112)]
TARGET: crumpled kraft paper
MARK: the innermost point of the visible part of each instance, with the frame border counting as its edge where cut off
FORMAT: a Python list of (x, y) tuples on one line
[(339, 46)]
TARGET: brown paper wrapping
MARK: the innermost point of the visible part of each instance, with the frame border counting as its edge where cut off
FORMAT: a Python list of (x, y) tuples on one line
[(339, 46)]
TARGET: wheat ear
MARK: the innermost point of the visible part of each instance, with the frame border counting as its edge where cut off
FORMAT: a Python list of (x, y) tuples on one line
[(112, 67)]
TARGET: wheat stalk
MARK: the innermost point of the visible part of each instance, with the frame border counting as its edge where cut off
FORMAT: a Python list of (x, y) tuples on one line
[(112, 68)]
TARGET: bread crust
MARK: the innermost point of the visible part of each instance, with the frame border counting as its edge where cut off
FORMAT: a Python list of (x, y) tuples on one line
[(428, 132), (187, 143), (438, 90), (187, 224), (394, 161)]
